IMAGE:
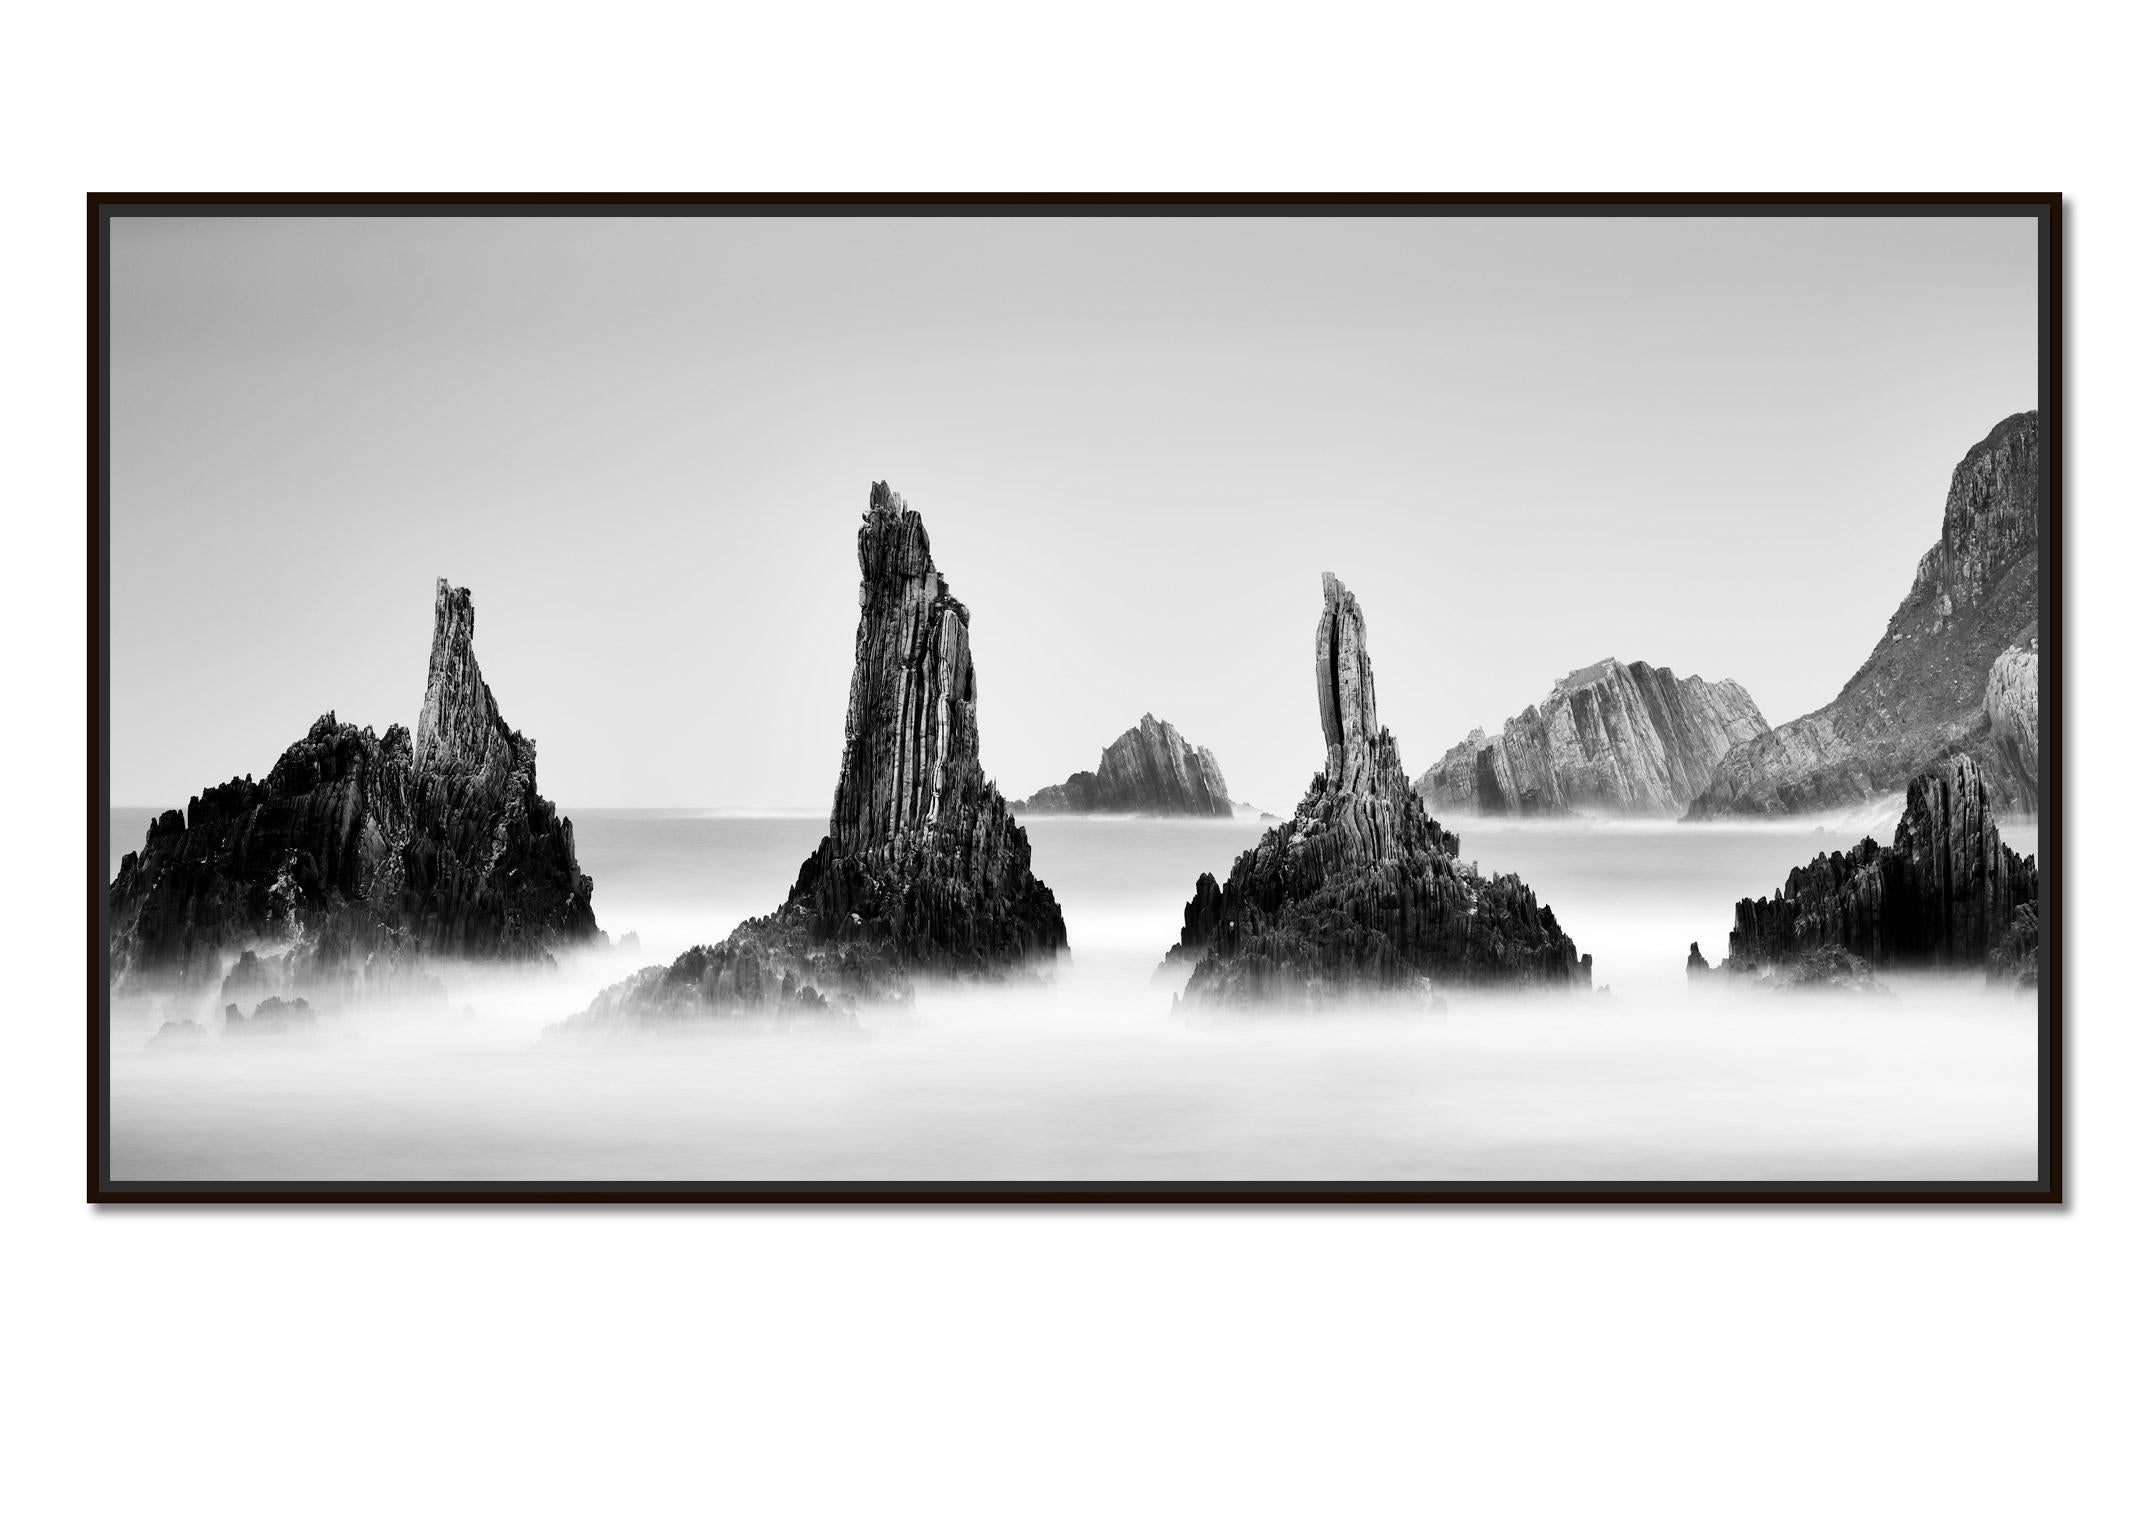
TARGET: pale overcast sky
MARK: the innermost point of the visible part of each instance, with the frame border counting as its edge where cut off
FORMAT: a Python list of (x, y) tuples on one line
[(1718, 445)]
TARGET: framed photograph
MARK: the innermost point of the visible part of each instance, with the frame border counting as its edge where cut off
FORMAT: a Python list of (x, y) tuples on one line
[(922, 742)]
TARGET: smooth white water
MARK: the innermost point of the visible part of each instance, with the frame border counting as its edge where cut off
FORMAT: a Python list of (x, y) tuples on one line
[(1092, 1076)]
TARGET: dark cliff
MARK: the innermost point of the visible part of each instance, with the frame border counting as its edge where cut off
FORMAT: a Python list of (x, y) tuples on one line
[(1920, 698), (1947, 893), (358, 857), (1149, 770), (1360, 891), (923, 871), (1617, 738)]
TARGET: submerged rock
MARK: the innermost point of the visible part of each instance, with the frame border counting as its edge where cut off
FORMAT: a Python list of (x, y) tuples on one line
[(923, 871), (1830, 966), (178, 1033), (1614, 737), (1926, 692), (1947, 894), (271, 1017), (1151, 770), (1360, 892), (360, 858)]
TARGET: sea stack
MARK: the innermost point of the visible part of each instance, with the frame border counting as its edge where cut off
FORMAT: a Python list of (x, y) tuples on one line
[(1923, 694), (1947, 895), (1612, 739), (1150, 770), (1360, 891), (923, 872), (360, 858)]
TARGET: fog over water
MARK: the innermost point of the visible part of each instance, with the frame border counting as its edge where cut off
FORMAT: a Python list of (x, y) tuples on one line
[(1092, 1075)]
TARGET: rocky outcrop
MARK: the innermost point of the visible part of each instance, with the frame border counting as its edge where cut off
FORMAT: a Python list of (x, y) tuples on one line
[(271, 1017), (2013, 957), (768, 969), (2011, 713), (923, 872), (1921, 697), (1360, 891), (359, 859), (1612, 738), (1150, 770), (1946, 894)]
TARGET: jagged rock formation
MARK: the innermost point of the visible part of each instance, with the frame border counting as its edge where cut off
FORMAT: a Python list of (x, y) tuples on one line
[(1613, 737), (1361, 891), (923, 872), (1946, 894), (1149, 770), (1920, 698), (360, 858)]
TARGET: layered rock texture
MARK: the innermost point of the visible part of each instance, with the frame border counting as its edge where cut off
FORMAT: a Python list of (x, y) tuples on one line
[(1922, 696), (1946, 894), (1150, 770), (923, 872), (360, 858), (1360, 891), (1613, 738), (2011, 714)]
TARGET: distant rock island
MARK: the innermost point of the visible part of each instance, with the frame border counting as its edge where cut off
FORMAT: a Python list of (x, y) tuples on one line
[(1947, 894), (1613, 738), (359, 858), (1149, 770), (923, 872), (1962, 642), (1360, 891)]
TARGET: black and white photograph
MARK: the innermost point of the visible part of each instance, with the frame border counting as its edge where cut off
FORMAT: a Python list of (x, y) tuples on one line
[(1144, 769), (1294, 699)]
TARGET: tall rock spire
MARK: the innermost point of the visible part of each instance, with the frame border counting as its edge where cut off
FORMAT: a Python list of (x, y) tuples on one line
[(910, 734), (459, 727), (1343, 677), (924, 873), (1361, 892)]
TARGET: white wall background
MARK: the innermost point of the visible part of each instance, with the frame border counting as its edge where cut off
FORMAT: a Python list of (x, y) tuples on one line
[(1085, 1372)]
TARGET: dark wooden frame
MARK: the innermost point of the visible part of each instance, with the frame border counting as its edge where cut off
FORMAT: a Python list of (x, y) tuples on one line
[(2045, 1190)]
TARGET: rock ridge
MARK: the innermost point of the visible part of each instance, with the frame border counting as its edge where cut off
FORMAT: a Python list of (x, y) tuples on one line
[(1150, 769), (1615, 738)]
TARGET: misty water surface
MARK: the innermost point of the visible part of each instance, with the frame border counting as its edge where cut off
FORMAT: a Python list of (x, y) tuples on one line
[(1093, 1075)]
